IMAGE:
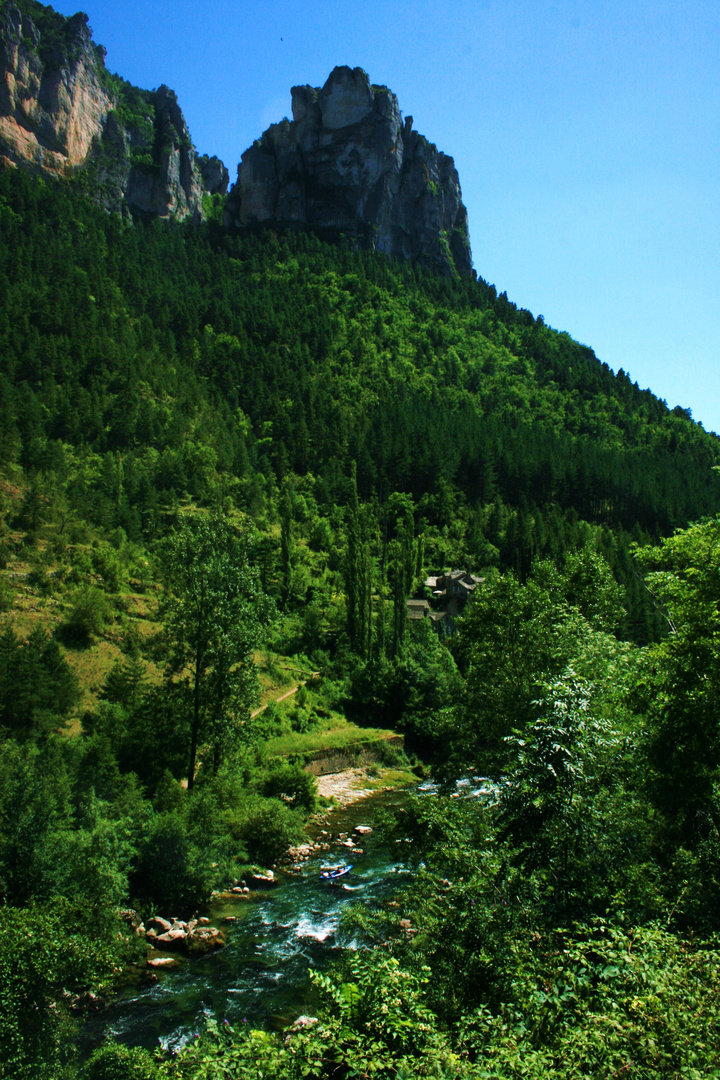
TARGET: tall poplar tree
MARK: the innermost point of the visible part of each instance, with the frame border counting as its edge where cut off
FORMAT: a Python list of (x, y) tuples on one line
[(213, 611)]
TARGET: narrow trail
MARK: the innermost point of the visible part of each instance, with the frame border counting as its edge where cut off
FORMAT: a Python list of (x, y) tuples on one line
[(287, 694)]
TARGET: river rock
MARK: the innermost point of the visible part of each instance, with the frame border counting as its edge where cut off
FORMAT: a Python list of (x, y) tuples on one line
[(302, 851), (262, 881), (158, 924), (131, 917), (87, 1002), (173, 939), (363, 830), (204, 939), (305, 1021), (164, 962)]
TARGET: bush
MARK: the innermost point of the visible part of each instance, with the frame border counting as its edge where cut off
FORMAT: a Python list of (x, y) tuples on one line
[(7, 596), (89, 615), (270, 723), (292, 784), (114, 1061), (173, 873), (269, 830)]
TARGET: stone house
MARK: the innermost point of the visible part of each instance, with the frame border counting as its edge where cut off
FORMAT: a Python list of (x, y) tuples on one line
[(444, 598)]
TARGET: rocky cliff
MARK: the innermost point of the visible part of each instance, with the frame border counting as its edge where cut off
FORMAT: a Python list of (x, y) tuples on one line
[(347, 163), (63, 113)]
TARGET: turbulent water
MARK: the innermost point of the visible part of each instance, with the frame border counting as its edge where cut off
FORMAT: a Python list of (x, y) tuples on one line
[(261, 976)]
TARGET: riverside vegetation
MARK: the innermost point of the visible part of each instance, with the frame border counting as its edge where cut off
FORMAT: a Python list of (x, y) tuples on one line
[(228, 455)]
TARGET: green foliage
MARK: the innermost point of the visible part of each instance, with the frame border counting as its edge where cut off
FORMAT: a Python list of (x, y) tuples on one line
[(44, 950), (34, 800), (213, 611), (93, 863), (269, 828), (88, 616), (373, 422), (328, 357), (292, 784), (589, 585), (513, 638), (607, 1003), (547, 806), (114, 1061), (411, 692), (174, 869), (37, 687), (213, 207), (680, 690)]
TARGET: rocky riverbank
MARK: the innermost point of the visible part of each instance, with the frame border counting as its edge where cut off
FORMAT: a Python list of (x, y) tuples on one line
[(351, 785)]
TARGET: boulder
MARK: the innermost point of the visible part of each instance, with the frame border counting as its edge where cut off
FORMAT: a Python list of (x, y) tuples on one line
[(159, 925), (262, 881), (204, 939), (215, 177), (164, 962), (173, 939)]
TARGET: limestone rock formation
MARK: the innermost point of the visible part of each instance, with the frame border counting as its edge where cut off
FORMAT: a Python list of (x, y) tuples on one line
[(61, 112), (50, 112), (346, 163), (146, 160), (215, 177)]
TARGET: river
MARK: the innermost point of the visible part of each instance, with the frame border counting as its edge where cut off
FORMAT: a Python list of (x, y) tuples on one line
[(261, 976)]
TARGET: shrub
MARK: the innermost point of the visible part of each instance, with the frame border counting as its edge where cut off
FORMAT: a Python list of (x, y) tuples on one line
[(114, 1061), (292, 784), (89, 615), (270, 829), (173, 873)]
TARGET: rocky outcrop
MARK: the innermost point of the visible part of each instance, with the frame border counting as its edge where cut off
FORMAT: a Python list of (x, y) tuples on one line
[(194, 937), (62, 113), (215, 177), (348, 164), (52, 107), (147, 162)]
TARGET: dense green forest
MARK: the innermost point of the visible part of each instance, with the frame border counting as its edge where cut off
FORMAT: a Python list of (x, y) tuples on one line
[(220, 447)]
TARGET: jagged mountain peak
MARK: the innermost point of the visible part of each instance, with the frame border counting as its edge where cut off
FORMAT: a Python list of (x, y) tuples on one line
[(347, 163)]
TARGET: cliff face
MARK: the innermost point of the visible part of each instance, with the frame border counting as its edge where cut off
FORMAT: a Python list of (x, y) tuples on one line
[(60, 112), (49, 116), (347, 163), (146, 160)]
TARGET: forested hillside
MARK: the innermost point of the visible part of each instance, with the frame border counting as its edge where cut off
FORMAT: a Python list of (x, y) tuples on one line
[(220, 450)]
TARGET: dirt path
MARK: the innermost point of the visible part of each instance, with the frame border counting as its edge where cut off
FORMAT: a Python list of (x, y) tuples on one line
[(287, 694)]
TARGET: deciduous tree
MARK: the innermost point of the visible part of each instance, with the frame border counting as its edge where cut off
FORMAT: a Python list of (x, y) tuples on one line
[(213, 611)]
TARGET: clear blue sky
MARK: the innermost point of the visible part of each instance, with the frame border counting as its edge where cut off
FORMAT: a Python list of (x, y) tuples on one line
[(586, 136)]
